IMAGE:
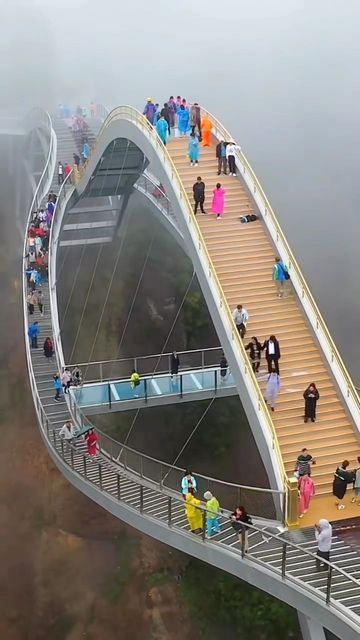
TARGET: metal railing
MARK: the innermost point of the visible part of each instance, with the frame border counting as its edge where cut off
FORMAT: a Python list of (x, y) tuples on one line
[(157, 195)]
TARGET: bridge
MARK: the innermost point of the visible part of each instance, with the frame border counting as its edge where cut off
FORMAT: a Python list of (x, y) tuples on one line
[(142, 491)]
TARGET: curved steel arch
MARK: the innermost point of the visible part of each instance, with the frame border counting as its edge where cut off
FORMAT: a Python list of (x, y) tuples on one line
[(128, 496)]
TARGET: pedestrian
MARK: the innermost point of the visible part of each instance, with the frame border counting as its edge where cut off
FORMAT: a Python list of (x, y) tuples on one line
[(188, 482), (92, 443), (272, 353), (174, 363), (66, 380), (76, 375), (206, 130), (57, 387), (86, 151), (323, 536), (165, 113), (199, 194), (218, 203), (356, 497), (60, 173), (280, 276), (68, 431), (40, 302), (254, 348), (48, 348), (212, 514), (33, 333), (223, 367), (221, 157), (311, 396), (194, 513), (272, 389), (183, 120), (195, 119), (172, 111), (31, 301), (303, 464), (342, 477), (149, 110), (307, 491), (231, 149), (239, 521), (241, 317), (162, 129), (76, 160), (194, 150), (68, 170), (134, 382)]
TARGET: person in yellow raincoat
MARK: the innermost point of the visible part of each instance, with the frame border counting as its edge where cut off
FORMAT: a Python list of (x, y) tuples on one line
[(206, 129), (193, 514)]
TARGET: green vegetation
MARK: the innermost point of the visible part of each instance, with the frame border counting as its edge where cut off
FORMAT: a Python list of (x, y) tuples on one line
[(115, 586), (222, 605)]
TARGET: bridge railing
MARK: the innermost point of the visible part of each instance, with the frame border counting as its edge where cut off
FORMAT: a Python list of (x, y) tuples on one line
[(335, 362), (156, 193)]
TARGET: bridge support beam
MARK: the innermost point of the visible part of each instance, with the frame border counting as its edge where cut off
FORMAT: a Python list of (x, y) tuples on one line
[(310, 628)]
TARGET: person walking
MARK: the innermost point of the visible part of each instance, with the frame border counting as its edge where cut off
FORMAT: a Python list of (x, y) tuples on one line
[(323, 537), (86, 151), (149, 110), (311, 396), (92, 443), (303, 464), (272, 353), (194, 149), (66, 380), (68, 431), (48, 348), (212, 514), (218, 202), (188, 482), (40, 302), (239, 521), (194, 513), (241, 317), (195, 119), (183, 120), (162, 129), (33, 333), (221, 157), (307, 491), (60, 173), (174, 363), (31, 301), (223, 367), (76, 160), (199, 194), (57, 387), (134, 382), (342, 477), (165, 113), (231, 149), (206, 130), (172, 111), (272, 389), (254, 348), (356, 497), (280, 276)]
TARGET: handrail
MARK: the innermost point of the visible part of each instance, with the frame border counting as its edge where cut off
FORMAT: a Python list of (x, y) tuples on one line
[(134, 115)]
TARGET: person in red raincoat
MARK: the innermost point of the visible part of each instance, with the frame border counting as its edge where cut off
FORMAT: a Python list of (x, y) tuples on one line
[(92, 440)]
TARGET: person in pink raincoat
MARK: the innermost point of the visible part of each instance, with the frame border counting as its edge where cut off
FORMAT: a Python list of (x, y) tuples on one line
[(218, 203), (307, 491)]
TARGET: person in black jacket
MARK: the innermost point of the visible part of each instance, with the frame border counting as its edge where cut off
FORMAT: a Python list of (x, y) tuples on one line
[(311, 396), (239, 519), (221, 157), (342, 477), (174, 363), (165, 113), (223, 367), (272, 354), (199, 194), (254, 348)]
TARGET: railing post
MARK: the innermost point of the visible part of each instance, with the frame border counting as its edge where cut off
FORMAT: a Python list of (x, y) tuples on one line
[(203, 359), (283, 560), (203, 533), (84, 466), (62, 447), (100, 476), (118, 493), (72, 457), (243, 534), (141, 467), (141, 498), (101, 372), (292, 488), (161, 476), (169, 511), (54, 438), (145, 389), (215, 381), (181, 386), (109, 395), (328, 584)]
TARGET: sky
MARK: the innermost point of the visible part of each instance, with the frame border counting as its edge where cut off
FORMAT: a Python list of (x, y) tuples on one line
[(282, 75)]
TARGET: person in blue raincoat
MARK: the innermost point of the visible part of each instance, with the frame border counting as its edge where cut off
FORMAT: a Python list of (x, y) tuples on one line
[(194, 149), (183, 120), (163, 129)]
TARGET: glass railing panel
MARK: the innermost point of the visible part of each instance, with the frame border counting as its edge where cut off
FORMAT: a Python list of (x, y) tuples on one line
[(91, 396)]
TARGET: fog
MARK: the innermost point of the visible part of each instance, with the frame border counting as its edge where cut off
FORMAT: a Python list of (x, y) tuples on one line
[(282, 75)]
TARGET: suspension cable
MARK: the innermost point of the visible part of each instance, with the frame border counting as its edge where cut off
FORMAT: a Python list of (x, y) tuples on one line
[(73, 285), (132, 425), (86, 301), (63, 263), (174, 321)]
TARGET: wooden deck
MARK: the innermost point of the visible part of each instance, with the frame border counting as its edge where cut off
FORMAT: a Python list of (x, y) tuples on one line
[(243, 256)]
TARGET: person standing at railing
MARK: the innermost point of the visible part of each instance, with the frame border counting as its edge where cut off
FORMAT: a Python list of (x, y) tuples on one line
[(193, 513), (272, 353), (311, 396), (212, 514), (223, 367), (239, 519), (188, 482), (194, 150), (342, 477), (199, 194), (33, 333), (68, 431), (206, 129), (221, 157), (307, 491), (272, 389), (280, 276), (162, 129), (218, 202), (323, 536), (241, 317), (231, 149), (135, 382), (174, 364), (356, 497)]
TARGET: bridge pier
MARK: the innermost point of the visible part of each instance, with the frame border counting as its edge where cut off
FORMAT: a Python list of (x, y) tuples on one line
[(310, 628)]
